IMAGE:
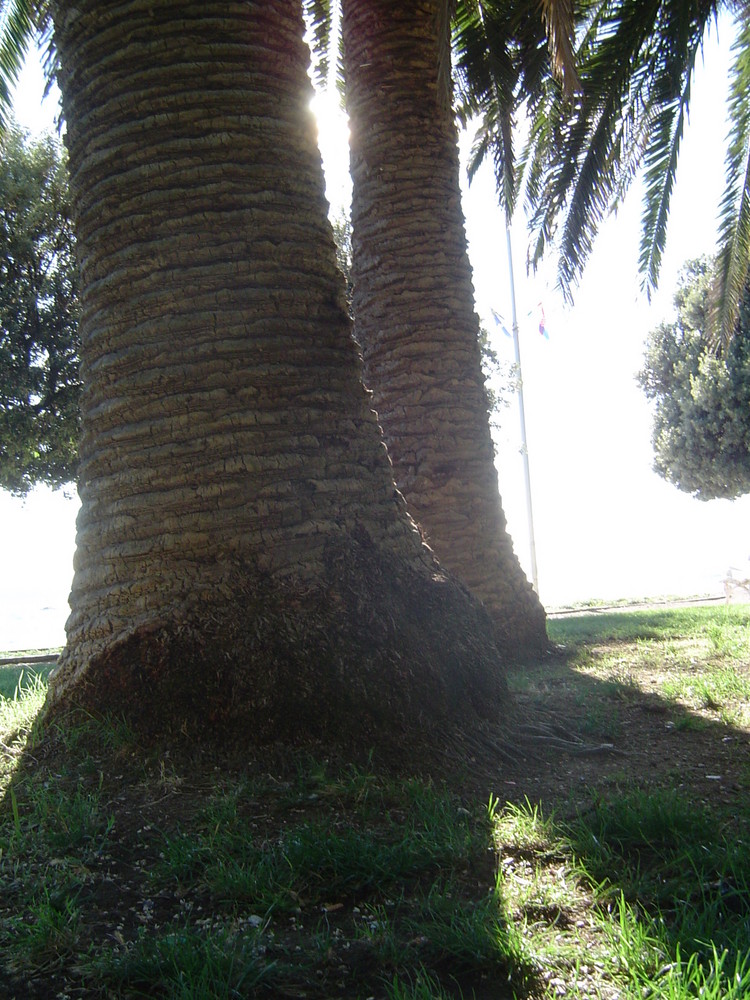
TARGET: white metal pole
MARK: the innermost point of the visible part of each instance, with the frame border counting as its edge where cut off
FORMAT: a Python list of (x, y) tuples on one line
[(524, 445)]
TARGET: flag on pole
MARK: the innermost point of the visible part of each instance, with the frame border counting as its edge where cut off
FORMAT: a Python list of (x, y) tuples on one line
[(542, 323), (499, 322)]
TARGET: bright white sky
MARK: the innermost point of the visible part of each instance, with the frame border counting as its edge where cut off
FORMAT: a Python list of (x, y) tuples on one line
[(606, 526)]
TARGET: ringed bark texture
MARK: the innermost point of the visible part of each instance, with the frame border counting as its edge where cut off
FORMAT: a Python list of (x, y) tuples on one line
[(234, 485), (413, 303)]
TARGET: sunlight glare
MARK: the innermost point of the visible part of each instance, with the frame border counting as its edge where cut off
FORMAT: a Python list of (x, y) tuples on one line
[(333, 142)]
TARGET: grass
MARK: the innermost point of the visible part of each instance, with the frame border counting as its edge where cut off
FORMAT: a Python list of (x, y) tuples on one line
[(13, 674), (21, 674), (187, 963), (17, 714), (129, 873), (696, 658), (664, 887), (718, 688), (722, 625)]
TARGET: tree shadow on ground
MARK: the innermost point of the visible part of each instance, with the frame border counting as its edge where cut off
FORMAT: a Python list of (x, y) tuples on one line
[(589, 726), (645, 774)]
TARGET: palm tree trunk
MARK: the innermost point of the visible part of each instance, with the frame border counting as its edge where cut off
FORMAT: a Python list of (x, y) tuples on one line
[(413, 302), (242, 553)]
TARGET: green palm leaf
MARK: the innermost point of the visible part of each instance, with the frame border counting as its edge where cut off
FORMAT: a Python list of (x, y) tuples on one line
[(500, 60), (21, 23), (636, 63), (734, 219), (575, 151), (319, 19), (17, 29), (665, 135)]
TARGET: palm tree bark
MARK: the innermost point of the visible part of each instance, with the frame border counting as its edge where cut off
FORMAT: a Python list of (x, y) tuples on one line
[(413, 303), (243, 560)]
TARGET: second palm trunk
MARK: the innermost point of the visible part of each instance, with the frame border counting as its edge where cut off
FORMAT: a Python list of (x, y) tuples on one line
[(414, 303)]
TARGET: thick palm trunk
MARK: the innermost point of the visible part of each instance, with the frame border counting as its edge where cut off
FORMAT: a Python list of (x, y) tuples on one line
[(241, 551), (414, 304)]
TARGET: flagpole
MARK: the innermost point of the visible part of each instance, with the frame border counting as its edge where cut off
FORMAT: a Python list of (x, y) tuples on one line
[(524, 445)]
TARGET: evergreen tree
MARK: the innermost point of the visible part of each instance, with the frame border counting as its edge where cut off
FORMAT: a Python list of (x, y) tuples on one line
[(701, 401)]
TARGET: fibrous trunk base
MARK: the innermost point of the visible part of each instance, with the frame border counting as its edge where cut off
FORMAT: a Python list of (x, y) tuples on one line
[(373, 649)]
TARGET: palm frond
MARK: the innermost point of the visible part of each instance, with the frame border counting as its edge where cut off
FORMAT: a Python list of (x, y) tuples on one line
[(17, 29), (44, 27), (577, 170), (499, 55), (319, 19), (21, 23), (734, 213), (577, 187), (636, 62), (558, 18), (662, 154), (590, 198), (666, 103)]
